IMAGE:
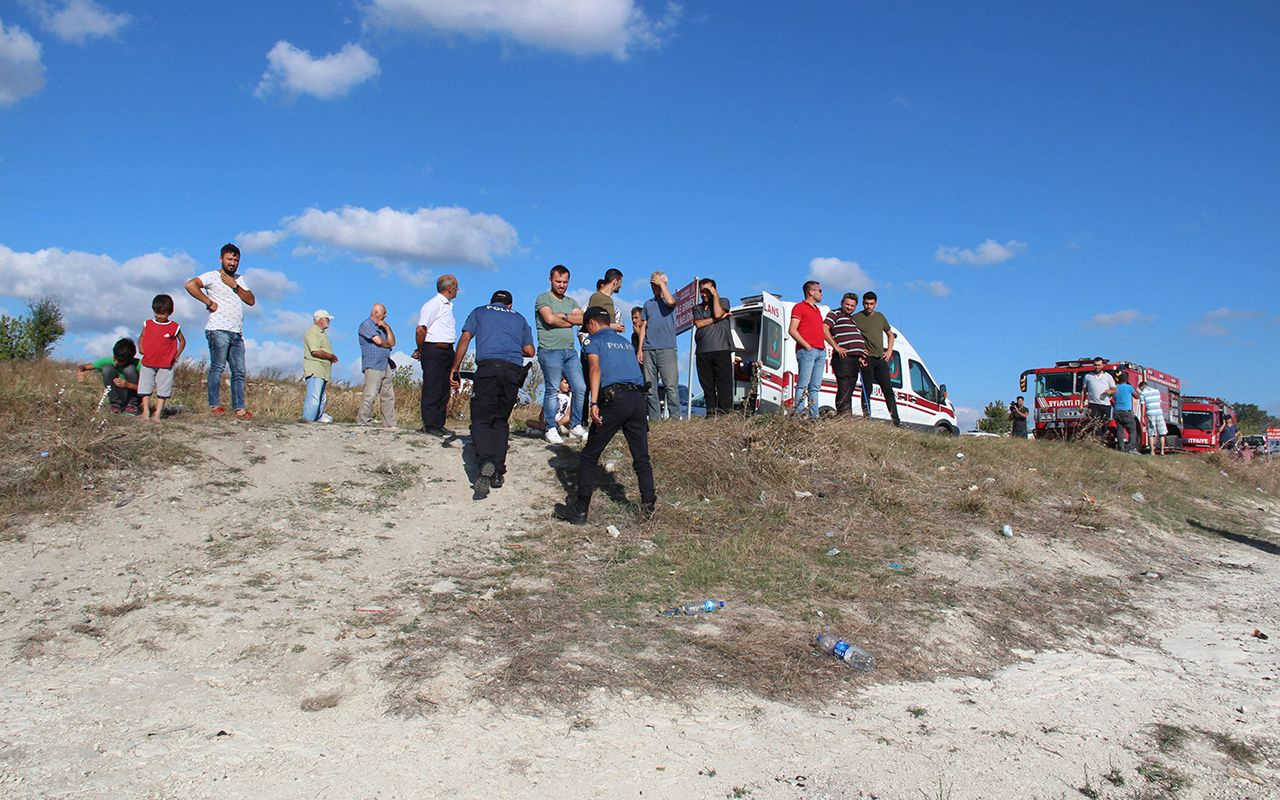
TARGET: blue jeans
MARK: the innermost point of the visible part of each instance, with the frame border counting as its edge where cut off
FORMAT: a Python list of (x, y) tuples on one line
[(226, 349), (811, 363), (662, 367), (557, 364), (316, 399)]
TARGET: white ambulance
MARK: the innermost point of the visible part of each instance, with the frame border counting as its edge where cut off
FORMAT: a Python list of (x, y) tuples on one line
[(766, 371)]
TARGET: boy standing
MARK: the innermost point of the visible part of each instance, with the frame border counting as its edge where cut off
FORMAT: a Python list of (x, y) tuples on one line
[(160, 346)]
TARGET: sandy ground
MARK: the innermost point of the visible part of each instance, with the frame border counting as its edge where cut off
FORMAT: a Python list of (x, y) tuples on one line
[(248, 572)]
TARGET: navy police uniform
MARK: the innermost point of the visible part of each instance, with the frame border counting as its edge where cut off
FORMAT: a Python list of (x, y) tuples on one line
[(622, 408), (502, 338)]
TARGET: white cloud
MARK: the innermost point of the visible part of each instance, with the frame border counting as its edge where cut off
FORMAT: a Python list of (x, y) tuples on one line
[(425, 236), (989, 252), (1206, 328), (1211, 323), (98, 293), (289, 323), (259, 240), (21, 71), (77, 21), (900, 101), (967, 418), (935, 288), (838, 274), (268, 284), (1231, 314), (101, 344), (273, 358), (293, 71), (1113, 319), (582, 27)]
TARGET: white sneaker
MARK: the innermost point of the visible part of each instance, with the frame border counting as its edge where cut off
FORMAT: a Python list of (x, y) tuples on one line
[(553, 436), (579, 432), (325, 418), (564, 429)]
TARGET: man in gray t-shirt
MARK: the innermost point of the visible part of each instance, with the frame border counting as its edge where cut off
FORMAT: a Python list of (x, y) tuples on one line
[(713, 342), (1099, 386), (658, 343)]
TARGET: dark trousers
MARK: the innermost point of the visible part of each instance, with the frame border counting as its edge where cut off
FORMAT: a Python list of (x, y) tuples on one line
[(435, 383), (1126, 422), (877, 371), (493, 395), (715, 374), (846, 370), (1099, 416), (628, 413), (120, 396)]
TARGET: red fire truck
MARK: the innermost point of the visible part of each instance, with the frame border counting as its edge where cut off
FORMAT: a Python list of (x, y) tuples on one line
[(1061, 409), (1201, 419)]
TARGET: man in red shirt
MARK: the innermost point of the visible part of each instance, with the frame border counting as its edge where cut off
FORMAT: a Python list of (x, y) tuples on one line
[(811, 349)]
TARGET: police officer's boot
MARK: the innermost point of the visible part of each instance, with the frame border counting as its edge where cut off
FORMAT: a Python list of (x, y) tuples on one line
[(647, 509), (487, 471), (574, 511)]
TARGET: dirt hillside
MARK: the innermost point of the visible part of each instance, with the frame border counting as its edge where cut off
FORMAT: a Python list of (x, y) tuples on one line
[(236, 626)]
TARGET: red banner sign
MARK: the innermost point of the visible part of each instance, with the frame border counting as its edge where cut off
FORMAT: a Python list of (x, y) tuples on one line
[(686, 298)]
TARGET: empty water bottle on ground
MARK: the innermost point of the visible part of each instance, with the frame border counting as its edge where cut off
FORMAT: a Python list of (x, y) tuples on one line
[(850, 654), (691, 609)]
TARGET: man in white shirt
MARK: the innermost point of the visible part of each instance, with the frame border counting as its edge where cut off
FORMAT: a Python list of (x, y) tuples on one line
[(1099, 386), (224, 295), (436, 334)]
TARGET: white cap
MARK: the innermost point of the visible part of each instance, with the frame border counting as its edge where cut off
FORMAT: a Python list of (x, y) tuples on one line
[(320, 312)]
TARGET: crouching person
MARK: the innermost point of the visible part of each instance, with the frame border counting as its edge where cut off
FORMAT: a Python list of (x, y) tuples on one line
[(618, 404), (119, 376)]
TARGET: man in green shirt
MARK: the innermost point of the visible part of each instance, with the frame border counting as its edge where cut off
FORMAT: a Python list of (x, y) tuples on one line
[(317, 365), (554, 316), (119, 376), (880, 337)]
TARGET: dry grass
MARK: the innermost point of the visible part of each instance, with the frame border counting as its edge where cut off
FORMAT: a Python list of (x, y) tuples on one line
[(731, 526), (57, 450), (320, 702), (32, 646), (119, 609)]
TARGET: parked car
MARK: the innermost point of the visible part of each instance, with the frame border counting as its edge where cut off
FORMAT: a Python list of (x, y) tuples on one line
[(1259, 445), (699, 405)]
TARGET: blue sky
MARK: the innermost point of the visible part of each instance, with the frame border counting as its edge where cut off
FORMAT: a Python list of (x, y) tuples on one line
[(1020, 183)]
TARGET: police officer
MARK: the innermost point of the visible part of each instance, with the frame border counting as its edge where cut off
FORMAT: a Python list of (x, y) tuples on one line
[(618, 403), (503, 340)]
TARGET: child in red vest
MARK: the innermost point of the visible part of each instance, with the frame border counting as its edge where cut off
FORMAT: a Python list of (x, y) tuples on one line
[(160, 345)]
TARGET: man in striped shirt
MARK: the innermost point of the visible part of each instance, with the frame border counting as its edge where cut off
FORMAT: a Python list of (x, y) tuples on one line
[(849, 350), (1157, 428)]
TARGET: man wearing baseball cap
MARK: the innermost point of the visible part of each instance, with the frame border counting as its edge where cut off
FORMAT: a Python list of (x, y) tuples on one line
[(617, 393), (317, 365), (503, 341)]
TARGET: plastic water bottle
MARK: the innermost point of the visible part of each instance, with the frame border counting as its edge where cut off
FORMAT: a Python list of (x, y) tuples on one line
[(850, 654), (692, 609)]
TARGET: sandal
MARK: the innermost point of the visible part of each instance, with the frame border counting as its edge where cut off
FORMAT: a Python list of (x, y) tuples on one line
[(217, 410), (244, 413)]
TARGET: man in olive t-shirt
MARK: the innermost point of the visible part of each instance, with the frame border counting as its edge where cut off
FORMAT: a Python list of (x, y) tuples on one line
[(880, 337), (603, 297)]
